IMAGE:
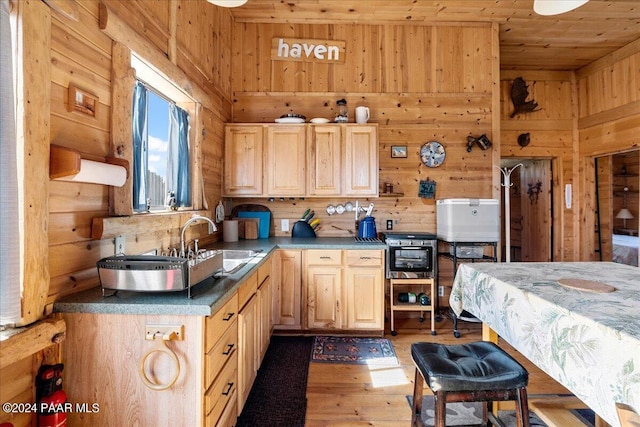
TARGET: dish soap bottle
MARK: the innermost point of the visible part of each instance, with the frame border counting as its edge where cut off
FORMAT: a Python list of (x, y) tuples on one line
[(342, 115)]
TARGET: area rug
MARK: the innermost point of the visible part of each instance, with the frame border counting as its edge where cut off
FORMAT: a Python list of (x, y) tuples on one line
[(362, 351), (470, 414), (278, 397)]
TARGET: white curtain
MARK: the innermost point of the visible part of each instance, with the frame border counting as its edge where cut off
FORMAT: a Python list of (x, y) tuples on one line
[(10, 212)]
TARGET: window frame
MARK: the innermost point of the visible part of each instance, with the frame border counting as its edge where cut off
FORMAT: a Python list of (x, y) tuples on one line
[(169, 81)]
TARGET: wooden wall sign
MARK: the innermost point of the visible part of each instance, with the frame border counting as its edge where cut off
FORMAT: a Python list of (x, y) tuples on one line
[(307, 50)]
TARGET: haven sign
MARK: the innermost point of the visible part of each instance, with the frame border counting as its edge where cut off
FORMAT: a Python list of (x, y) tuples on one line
[(307, 50)]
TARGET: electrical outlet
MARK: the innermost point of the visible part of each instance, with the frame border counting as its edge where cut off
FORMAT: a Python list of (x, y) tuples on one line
[(284, 225), (119, 243), (440, 291), (389, 224)]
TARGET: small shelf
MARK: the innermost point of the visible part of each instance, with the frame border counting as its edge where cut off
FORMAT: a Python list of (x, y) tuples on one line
[(425, 285), (391, 195)]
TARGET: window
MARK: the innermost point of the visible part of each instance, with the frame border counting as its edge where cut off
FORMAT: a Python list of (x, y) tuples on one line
[(161, 172)]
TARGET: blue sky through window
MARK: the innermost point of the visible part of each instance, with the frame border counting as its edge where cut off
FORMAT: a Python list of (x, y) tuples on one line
[(158, 133)]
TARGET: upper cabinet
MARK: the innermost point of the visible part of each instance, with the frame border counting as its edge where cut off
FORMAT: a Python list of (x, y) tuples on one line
[(361, 160), (243, 155), (273, 160), (285, 166)]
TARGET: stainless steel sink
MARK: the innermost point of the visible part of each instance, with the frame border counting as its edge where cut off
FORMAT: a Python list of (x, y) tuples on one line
[(234, 259)]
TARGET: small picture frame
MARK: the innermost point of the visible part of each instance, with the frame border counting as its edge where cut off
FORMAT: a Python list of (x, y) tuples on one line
[(398, 151)]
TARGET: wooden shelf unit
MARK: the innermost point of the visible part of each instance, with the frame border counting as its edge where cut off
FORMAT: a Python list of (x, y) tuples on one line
[(423, 284)]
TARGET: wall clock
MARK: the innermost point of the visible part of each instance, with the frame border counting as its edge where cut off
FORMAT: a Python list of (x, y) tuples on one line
[(432, 154)]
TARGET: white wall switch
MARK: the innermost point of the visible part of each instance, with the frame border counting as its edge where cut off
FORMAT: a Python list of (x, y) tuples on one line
[(284, 224)]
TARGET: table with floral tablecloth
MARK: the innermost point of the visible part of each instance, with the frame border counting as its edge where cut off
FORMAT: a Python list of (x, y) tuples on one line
[(587, 341)]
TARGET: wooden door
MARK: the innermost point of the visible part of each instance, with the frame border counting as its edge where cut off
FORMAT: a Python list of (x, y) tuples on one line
[(243, 158), (264, 299), (364, 290), (535, 206), (247, 350), (286, 160), (287, 287), (324, 177), (323, 297), (361, 160)]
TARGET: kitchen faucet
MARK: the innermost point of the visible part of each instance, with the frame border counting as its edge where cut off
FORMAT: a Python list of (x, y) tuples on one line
[(194, 218)]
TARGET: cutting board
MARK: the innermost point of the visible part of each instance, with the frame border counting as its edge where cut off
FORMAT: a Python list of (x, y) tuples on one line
[(265, 221)]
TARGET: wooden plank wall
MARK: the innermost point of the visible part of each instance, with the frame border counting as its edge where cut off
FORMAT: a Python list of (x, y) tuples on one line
[(551, 130), (80, 54), (421, 83), (608, 123)]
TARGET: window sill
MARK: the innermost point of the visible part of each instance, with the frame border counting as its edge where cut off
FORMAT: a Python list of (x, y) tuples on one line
[(18, 343), (110, 227)]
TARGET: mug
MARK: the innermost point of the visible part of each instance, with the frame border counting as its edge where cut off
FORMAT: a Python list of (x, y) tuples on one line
[(362, 114)]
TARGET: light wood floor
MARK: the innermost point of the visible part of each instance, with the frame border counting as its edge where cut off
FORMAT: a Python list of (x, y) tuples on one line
[(355, 395)]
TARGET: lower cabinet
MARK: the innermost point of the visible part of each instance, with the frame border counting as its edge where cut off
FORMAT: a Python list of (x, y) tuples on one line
[(254, 328), (344, 289), (287, 289)]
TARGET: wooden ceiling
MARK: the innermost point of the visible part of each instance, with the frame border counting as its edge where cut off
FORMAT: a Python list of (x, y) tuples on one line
[(527, 40)]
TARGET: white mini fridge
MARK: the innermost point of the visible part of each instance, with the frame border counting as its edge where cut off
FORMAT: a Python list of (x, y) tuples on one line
[(468, 220)]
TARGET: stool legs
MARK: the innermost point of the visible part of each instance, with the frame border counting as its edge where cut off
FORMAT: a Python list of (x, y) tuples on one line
[(440, 404), (418, 386)]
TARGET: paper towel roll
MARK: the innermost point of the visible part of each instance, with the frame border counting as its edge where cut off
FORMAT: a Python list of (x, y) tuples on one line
[(99, 173), (230, 231)]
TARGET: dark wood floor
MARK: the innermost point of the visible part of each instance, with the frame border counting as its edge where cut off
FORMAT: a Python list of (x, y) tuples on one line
[(356, 395)]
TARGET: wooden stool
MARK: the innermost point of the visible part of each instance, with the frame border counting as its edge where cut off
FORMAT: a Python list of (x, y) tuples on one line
[(475, 372)]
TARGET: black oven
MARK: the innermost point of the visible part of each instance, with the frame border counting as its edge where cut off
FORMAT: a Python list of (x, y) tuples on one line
[(411, 255)]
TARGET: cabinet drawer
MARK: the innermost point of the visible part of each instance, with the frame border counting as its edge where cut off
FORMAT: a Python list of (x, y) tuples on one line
[(222, 392), (331, 257), (247, 290), (264, 271), (365, 258), (223, 350), (218, 323), (228, 417)]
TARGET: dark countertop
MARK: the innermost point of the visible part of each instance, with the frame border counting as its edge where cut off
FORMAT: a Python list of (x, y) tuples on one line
[(208, 295)]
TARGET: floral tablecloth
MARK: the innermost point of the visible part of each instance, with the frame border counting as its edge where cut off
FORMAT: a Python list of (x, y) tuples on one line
[(589, 342)]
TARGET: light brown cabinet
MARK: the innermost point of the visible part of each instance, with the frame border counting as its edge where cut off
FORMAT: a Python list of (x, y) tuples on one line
[(364, 282), (285, 166), (287, 289), (254, 328), (243, 160), (324, 289), (345, 289), (272, 160)]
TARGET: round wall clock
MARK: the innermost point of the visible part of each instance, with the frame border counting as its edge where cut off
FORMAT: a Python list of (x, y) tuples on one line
[(432, 154)]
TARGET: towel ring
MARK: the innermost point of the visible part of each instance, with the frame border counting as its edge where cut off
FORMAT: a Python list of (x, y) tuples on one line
[(161, 348)]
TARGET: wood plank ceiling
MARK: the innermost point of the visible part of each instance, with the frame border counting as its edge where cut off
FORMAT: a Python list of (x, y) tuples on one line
[(527, 40)]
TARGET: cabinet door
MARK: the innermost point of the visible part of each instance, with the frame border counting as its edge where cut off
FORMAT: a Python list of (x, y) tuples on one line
[(324, 146), (243, 157), (323, 297), (247, 350), (364, 289), (264, 300), (361, 160), (286, 160), (287, 289)]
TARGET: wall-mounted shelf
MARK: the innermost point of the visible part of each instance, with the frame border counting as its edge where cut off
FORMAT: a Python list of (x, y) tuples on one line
[(391, 195), (67, 164)]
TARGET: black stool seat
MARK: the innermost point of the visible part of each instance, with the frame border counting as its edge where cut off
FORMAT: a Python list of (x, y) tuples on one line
[(474, 372), (468, 367)]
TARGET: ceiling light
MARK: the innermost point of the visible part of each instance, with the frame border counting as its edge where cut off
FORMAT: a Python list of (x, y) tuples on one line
[(228, 3), (556, 7)]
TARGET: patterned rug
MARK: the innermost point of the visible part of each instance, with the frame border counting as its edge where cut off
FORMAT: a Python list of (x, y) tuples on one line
[(363, 351), (470, 413)]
